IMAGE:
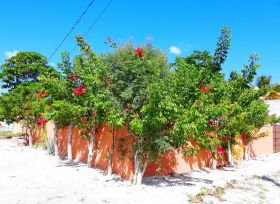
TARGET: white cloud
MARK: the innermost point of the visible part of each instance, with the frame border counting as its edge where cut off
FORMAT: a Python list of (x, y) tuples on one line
[(10, 54), (174, 50)]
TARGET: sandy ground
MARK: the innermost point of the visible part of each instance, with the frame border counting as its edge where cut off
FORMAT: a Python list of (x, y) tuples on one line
[(32, 176)]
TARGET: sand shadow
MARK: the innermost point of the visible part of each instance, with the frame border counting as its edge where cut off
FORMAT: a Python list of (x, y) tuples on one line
[(266, 178), (175, 180), (72, 164)]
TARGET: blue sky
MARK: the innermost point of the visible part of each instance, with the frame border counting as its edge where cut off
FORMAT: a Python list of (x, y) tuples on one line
[(184, 25)]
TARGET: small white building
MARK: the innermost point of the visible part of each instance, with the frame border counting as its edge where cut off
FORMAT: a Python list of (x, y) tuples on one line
[(5, 127), (274, 106)]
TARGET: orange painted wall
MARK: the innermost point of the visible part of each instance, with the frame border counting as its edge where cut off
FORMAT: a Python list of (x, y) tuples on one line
[(122, 159), (123, 165)]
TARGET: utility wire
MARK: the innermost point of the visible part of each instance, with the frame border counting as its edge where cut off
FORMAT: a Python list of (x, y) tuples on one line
[(71, 29), (94, 22)]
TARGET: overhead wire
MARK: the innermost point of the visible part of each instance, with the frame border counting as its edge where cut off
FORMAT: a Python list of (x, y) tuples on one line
[(94, 22), (71, 29)]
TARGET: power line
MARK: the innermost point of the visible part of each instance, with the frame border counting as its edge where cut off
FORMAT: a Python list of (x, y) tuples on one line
[(95, 21), (71, 29), (98, 17)]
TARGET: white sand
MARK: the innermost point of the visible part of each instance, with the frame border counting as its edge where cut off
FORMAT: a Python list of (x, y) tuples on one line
[(32, 176)]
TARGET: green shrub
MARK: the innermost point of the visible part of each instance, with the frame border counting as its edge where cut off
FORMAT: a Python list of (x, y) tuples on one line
[(9, 134)]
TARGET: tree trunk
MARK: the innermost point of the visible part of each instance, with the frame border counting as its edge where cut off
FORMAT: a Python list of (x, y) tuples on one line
[(110, 153), (55, 140), (139, 170), (214, 162), (69, 142), (247, 151), (230, 157), (110, 165), (30, 137), (91, 147)]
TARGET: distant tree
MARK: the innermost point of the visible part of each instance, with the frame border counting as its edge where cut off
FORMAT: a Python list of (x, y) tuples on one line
[(222, 48), (24, 104), (264, 81), (24, 67)]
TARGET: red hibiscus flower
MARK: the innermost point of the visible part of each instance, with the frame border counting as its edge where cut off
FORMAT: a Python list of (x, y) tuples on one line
[(79, 91), (73, 76), (42, 121), (204, 88), (139, 52), (220, 150), (82, 87)]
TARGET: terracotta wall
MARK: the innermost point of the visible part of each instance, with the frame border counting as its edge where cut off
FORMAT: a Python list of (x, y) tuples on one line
[(264, 145), (122, 158), (123, 165)]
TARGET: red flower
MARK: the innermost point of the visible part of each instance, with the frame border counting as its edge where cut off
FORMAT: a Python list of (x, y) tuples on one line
[(42, 94), (139, 52), (73, 76), (79, 91), (82, 87), (84, 120), (220, 150), (204, 88), (42, 121)]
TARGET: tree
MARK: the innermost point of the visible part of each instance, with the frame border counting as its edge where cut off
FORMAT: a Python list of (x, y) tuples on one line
[(115, 120), (24, 67), (252, 113), (264, 81), (63, 110), (23, 104), (200, 95), (92, 93), (131, 72), (60, 110)]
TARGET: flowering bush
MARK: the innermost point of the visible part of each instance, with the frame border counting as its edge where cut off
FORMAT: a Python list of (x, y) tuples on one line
[(139, 52)]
